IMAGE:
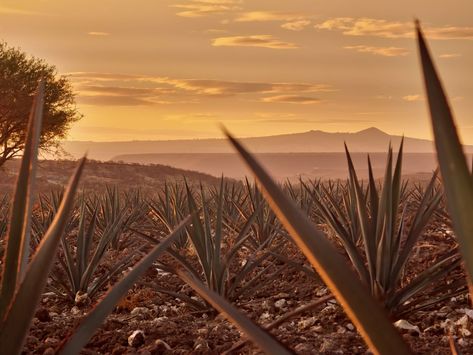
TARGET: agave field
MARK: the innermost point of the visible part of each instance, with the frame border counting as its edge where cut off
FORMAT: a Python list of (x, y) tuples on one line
[(349, 266)]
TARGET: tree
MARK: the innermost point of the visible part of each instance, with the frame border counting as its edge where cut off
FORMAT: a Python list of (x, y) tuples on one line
[(19, 78)]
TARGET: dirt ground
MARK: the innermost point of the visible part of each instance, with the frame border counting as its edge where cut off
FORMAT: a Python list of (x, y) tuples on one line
[(166, 325)]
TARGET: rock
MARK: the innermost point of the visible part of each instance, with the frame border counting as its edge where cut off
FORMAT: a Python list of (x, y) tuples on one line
[(201, 345), (317, 329), (43, 315), (350, 327), (265, 316), (75, 310), (405, 325), (49, 351), (140, 312), (306, 323), (52, 342), (162, 345), (462, 322), (329, 309), (82, 299), (280, 303), (321, 292), (136, 339)]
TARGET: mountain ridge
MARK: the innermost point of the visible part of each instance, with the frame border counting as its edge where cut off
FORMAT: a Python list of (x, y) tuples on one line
[(368, 140)]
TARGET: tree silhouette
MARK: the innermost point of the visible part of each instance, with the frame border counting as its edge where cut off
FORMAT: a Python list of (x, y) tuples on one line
[(19, 78)]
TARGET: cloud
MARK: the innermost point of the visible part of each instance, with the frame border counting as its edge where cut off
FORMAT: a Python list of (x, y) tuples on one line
[(413, 98), (113, 100), (298, 25), (266, 16), (350, 26), (262, 41), (292, 21), (450, 55), (98, 33), (383, 51), (292, 99), (133, 90), (200, 8)]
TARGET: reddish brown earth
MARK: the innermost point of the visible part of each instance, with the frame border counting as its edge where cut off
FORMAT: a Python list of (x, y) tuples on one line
[(170, 326)]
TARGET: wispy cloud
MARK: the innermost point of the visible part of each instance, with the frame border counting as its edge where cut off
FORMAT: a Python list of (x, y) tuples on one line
[(391, 29), (413, 98), (133, 90), (297, 25), (200, 8), (450, 55), (383, 51), (265, 16), (262, 41), (98, 33), (292, 99)]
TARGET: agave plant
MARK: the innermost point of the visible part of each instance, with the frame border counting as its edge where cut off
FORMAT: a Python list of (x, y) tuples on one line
[(387, 234), (216, 251), (169, 209), (115, 215), (266, 226)]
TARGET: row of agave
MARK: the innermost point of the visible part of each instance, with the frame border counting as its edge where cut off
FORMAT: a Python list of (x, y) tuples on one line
[(377, 227)]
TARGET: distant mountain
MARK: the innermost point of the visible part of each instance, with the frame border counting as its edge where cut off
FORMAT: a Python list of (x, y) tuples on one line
[(369, 140)]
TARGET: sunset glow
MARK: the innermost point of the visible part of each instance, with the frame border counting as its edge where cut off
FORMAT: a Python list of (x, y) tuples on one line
[(170, 69)]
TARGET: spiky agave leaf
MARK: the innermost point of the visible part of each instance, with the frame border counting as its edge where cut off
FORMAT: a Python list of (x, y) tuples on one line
[(17, 249), (452, 161)]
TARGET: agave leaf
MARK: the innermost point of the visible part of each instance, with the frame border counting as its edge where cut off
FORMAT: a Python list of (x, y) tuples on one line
[(453, 166), (94, 319), (365, 312), (18, 241), (19, 315), (263, 339)]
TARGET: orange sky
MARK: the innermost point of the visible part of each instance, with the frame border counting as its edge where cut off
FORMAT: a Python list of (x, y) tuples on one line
[(166, 69)]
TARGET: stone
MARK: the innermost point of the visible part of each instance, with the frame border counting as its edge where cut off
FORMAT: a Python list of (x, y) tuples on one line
[(136, 339), (306, 323), (405, 325), (81, 299), (280, 303), (162, 345)]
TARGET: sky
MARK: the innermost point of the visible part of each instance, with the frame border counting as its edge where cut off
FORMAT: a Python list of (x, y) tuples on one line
[(172, 69)]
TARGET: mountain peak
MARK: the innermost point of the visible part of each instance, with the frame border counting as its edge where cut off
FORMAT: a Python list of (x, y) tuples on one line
[(372, 131)]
